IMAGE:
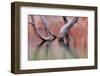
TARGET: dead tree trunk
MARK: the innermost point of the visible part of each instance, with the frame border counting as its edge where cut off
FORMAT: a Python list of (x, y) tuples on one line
[(46, 25), (64, 31), (46, 29)]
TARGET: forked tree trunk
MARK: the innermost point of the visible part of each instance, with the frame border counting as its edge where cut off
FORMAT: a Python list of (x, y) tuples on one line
[(64, 31)]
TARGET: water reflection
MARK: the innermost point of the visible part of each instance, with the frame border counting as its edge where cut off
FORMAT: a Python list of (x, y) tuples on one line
[(47, 50), (67, 50)]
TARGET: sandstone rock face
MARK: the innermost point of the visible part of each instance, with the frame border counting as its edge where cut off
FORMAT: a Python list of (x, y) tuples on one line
[(78, 38)]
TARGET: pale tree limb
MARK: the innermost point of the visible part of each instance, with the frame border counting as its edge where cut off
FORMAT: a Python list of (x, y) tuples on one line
[(38, 33), (64, 31), (46, 25)]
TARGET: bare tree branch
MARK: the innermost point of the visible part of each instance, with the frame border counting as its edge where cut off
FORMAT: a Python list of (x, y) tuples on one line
[(66, 28), (46, 25), (38, 33)]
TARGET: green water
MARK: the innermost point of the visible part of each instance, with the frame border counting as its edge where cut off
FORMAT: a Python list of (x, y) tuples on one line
[(51, 51)]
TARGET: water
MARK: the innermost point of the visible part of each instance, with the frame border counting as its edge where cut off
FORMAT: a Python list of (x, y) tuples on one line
[(52, 50)]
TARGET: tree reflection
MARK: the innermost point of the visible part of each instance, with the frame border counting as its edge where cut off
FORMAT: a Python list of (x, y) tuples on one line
[(67, 50), (44, 51)]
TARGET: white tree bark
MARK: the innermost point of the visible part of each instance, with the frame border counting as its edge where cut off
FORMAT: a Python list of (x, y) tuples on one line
[(46, 25), (46, 28), (64, 31), (66, 28)]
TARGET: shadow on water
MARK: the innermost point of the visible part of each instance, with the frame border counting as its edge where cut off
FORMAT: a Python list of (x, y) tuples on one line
[(44, 51)]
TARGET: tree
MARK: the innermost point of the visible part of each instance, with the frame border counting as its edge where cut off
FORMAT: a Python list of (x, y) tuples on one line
[(50, 35), (64, 31)]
